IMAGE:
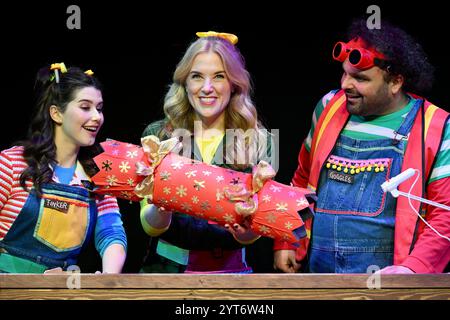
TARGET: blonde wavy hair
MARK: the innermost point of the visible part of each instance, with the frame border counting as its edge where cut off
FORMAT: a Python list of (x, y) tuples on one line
[(239, 114)]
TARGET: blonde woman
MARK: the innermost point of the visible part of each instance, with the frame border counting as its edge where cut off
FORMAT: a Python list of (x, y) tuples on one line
[(209, 106)]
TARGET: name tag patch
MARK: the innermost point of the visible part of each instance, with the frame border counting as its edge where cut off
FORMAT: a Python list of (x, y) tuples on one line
[(341, 177), (62, 206)]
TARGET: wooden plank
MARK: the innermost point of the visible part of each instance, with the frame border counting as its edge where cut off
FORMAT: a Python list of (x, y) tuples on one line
[(225, 294), (222, 281)]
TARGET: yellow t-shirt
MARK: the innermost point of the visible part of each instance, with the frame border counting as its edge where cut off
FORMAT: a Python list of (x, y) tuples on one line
[(208, 147)]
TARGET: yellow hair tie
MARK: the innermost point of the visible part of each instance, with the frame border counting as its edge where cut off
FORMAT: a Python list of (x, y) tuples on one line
[(227, 36), (89, 72), (58, 66)]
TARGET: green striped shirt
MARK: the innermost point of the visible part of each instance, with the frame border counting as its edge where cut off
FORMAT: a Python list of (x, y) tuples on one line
[(372, 128)]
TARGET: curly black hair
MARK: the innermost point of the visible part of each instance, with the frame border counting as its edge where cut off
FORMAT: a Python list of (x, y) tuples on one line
[(404, 55)]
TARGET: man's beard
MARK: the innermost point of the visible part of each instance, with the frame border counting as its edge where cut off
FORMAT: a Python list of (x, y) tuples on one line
[(360, 105)]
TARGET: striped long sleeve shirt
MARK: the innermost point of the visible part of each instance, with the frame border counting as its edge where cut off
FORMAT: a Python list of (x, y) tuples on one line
[(13, 196)]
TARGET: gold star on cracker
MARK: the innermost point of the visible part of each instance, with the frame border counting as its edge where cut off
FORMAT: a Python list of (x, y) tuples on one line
[(302, 202), (219, 195), (177, 165), (190, 174), (181, 191), (264, 229), (228, 218), (124, 167), (199, 184), (186, 207), (162, 202), (282, 206), (271, 217), (173, 200), (165, 175), (132, 154), (275, 188), (112, 180), (205, 206)]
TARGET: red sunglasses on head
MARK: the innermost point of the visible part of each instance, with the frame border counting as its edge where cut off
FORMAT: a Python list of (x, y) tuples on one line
[(359, 57)]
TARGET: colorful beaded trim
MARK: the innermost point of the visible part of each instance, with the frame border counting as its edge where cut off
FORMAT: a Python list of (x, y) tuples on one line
[(357, 166)]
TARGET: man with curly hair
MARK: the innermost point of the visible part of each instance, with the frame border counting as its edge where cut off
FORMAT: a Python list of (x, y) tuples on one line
[(373, 128)]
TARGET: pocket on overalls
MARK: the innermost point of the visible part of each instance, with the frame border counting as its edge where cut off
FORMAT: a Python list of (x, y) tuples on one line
[(353, 186), (63, 223)]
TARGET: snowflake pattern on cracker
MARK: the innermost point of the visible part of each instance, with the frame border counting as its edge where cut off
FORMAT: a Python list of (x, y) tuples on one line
[(189, 186)]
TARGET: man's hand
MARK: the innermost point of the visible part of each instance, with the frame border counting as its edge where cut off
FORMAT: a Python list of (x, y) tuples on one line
[(284, 260), (395, 270), (57, 270)]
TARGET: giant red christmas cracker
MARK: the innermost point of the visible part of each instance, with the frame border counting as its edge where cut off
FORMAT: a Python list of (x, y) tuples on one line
[(205, 191)]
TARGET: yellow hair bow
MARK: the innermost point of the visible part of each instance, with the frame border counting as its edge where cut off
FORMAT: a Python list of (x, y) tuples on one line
[(227, 36), (55, 67), (89, 72), (59, 66)]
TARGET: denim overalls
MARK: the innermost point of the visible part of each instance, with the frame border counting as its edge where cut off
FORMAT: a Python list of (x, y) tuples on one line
[(353, 227), (50, 231)]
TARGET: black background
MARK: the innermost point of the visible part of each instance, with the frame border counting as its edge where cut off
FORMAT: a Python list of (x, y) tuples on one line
[(134, 46)]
